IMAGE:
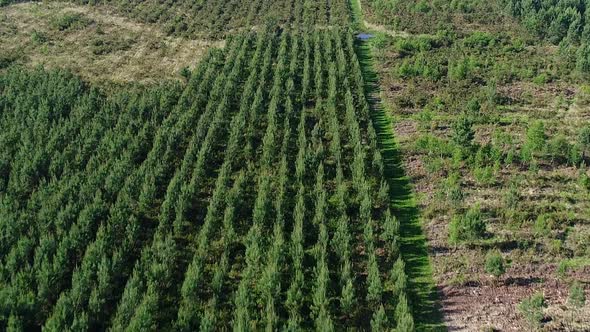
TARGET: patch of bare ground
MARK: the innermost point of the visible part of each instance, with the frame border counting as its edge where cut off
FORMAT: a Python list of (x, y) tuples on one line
[(107, 48), (493, 304)]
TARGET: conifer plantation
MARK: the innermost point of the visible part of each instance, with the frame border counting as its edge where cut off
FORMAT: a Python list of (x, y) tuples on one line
[(251, 196), (294, 165)]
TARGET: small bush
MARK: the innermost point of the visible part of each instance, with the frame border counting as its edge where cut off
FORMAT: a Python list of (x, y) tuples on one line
[(474, 107), (516, 46), (422, 6), (70, 21), (583, 96), (555, 247), (406, 46), (578, 241), (536, 137), (454, 192), (469, 227), (379, 321), (542, 225), (584, 180), (495, 263), (7, 58), (478, 39), (106, 45), (583, 58), (577, 297), (584, 138), (531, 308), (380, 41), (535, 143), (419, 66), (512, 196), (559, 149), (484, 175), (185, 72), (462, 68), (430, 144), (463, 133), (38, 37), (541, 79)]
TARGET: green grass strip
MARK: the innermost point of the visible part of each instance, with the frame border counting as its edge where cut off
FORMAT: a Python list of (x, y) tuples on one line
[(422, 290), (421, 287)]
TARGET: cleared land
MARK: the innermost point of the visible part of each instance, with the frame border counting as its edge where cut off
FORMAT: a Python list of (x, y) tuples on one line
[(473, 72), (94, 42)]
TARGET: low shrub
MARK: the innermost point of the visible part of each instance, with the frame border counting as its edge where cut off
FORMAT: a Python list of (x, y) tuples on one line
[(70, 21), (468, 227), (495, 264), (531, 308)]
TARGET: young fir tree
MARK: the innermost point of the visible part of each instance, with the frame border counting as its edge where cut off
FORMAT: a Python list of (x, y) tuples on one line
[(379, 320)]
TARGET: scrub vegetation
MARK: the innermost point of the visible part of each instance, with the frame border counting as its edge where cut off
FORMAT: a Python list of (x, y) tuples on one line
[(490, 108)]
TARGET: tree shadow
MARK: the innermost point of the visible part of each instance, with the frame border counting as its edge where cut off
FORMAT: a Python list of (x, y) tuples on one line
[(422, 291)]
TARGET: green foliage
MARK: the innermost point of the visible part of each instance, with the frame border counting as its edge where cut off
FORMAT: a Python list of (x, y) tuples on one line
[(347, 300), (422, 6), (107, 45), (399, 277), (584, 138), (542, 225), (484, 175), (463, 133), (512, 196), (379, 320), (474, 108), (560, 22), (583, 96), (577, 296), (38, 37), (375, 287), (536, 139), (541, 79), (454, 192), (390, 234), (536, 136), (141, 209), (407, 46), (462, 69), (494, 264), (531, 308), (419, 66), (584, 180), (70, 21), (403, 317), (14, 324), (8, 58), (468, 227), (430, 144), (479, 40), (560, 150), (583, 58)]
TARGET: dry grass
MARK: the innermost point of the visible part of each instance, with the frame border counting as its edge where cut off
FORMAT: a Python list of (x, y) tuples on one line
[(111, 49)]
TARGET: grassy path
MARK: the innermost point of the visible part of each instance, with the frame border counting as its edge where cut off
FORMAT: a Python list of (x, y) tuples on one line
[(421, 287)]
